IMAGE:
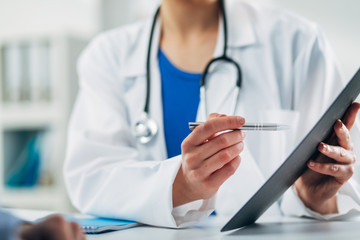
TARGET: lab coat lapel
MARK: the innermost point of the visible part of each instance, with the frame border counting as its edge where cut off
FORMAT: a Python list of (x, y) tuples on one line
[(156, 110), (134, 72)]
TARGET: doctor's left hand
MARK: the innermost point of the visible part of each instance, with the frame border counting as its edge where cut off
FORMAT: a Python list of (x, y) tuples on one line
[(318, 186)]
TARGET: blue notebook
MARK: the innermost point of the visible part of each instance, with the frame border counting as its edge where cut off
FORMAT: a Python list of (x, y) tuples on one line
[(101, 225)]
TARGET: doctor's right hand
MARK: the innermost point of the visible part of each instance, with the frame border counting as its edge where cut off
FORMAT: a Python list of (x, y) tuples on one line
[(208, 158)]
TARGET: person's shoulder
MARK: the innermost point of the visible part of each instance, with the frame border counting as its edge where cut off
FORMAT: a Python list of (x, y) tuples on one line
[(120, 37), (126, 34), (115, 43), (272, 18)]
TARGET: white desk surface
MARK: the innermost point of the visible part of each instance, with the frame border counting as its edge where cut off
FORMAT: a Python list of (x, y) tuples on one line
[(269, 228)]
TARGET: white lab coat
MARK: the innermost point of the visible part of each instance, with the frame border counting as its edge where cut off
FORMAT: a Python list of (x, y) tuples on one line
[(289, 76)]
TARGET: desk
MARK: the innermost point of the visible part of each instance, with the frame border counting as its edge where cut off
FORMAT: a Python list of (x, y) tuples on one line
[(269, 228)]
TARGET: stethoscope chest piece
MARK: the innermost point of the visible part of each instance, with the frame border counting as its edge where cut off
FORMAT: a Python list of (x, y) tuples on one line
[(145, 129)]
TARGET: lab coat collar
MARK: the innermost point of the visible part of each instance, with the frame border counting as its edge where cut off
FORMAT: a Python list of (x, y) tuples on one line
[(241, 33), (135, 63)]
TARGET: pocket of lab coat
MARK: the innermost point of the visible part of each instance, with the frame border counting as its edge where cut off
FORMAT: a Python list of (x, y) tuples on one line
[(275, 146)]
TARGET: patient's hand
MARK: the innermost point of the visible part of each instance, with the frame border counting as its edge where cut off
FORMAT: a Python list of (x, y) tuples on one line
[(52, 228)]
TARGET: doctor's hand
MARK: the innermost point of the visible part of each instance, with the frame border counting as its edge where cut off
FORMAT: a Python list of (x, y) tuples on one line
[(318, 186), (208, 158)]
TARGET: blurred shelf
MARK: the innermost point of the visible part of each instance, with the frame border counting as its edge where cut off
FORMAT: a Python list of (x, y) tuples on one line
[(32, 198), (28, 115), (44, 115)]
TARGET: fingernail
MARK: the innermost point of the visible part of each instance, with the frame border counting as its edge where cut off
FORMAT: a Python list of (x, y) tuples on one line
[(340, 124), (342, 152), (311, 164), (241, 120), (243, 134), (323, 147)]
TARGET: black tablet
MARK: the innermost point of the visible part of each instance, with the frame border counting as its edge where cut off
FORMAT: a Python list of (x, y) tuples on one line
[(295, 164)]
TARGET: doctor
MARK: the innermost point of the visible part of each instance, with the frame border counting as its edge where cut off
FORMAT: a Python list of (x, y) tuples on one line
[(130, 154)]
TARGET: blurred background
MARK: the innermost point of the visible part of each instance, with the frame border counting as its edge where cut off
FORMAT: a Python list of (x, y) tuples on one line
[(40, 41)]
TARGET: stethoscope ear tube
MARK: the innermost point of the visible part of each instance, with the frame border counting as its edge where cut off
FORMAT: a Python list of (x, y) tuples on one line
[(205, 74), (225, 59), (146, 128), (148, 60)]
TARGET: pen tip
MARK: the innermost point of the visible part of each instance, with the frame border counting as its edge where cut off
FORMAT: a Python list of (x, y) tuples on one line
[(283, 127)]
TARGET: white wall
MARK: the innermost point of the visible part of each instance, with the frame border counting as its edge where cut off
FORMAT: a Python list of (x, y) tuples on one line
[(117, 12), (340, 21), (26, 17)]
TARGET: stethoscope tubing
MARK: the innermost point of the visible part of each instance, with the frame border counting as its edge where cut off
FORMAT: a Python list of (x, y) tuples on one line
[(149, 130), (148, 60)]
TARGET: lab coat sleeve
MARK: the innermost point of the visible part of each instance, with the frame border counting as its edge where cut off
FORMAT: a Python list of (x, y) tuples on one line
[(9, 225), (190, 213), (348, 203), (103, 173), (317, 75)]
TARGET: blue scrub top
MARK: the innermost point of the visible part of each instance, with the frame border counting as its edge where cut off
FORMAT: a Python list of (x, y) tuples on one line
[(180, 97)]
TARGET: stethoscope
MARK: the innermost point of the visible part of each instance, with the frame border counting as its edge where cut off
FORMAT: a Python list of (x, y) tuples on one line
[(146, 128)]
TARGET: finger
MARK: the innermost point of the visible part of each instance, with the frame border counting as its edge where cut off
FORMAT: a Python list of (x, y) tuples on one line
[(221, 175), (211, 116), (213, 126), (76, 230), (215, 145), (82, 236), (28, 230), (350, 115), (215, 115), (340, 172), (343, 135), (56, 227), (220, 159), (337, 153)]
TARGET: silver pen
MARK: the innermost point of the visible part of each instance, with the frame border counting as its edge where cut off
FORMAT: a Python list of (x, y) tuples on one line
[(251, 126)]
